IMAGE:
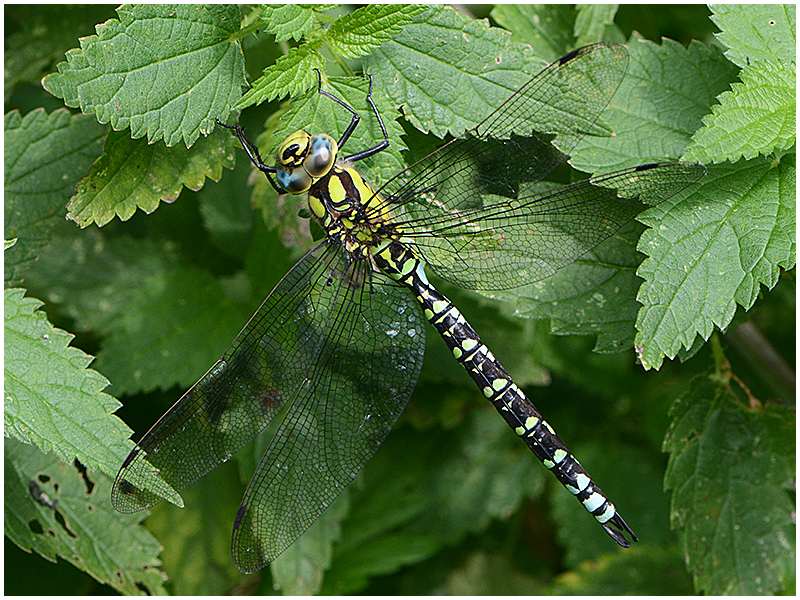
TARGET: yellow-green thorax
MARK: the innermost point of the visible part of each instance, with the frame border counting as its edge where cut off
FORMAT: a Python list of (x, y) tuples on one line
[(349, 211), (345, 205)]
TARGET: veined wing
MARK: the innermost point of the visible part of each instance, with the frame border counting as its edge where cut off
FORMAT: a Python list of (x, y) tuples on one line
[(267, 365), (507, 243), (515, 144), (365, 355)]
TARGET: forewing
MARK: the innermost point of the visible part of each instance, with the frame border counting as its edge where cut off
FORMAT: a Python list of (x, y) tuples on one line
[(368, 346), (513, 145), (509, 243), (264, 366)]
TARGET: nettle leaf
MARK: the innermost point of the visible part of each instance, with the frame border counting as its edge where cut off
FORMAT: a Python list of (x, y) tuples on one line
[(613, 466), (350, 37), (449, 72), (592, 21), (658, 107), (595, 295), (166, 72), (52, 399), (93, 278), (731, 470), (546, 27), (299, 570), (59, 509), (178, 324), (197, 554), (711, 248), (757, 32), (646, 569), (358, 33), (42, 35), (132, 174), (291, 75), (757, 117), (289, 21), (45, 156)]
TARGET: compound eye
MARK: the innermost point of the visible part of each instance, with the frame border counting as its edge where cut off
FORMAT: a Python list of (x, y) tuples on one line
[(294, 181), (322, 155), (294, 149)]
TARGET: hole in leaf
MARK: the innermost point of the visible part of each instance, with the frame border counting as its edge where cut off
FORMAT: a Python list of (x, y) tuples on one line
[(85, 475), (35, 527), (143, 588), (61, 521)]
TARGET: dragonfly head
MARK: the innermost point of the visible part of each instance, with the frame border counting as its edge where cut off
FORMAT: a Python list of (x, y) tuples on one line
[(303, 158)]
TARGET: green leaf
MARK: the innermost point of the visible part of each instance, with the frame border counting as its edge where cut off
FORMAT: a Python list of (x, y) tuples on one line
[(449, 72), (644, 569), (489, 574), (593, 296), (94, 277), (45, 156), (166, 72), (644, 506), (44, 33), (731, 470), (132, 174), (358, 33), (452, 484), (757, 32), (383, 501), (51, 398), (481, 474), (300, 569), (227, 212), (758, 117), (592, 22), (62, 510), (179, 322), (546, 27), (658, 107), (164, 322), (289, 21), (291, 75), (197, 555), (711, 249)]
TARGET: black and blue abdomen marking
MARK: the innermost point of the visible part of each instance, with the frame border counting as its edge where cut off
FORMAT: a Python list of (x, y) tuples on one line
[(518, 411)]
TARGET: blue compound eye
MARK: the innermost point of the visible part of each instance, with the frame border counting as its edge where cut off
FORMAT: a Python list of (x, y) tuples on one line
[(294, 181), (321, 156)]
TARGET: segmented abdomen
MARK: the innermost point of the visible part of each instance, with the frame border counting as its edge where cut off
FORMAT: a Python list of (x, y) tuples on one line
[(518, 411)]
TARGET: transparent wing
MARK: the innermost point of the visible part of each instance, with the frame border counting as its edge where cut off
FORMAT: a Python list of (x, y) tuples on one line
[(365, 343), (515, 144), (507, 243), (268, 364)]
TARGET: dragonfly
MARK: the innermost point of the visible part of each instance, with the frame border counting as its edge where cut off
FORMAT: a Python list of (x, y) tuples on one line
[(337, 346)]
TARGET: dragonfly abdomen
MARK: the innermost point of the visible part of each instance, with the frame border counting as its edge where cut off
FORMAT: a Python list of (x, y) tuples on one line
[(399, 263)]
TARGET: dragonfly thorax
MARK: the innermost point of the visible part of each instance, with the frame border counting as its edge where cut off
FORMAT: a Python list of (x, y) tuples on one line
[(349, 211), (303, 159)]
